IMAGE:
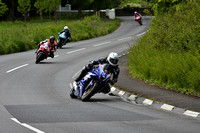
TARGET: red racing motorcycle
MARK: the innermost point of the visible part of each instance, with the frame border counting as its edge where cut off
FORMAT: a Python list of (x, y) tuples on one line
[(42, 53), (138, 19)]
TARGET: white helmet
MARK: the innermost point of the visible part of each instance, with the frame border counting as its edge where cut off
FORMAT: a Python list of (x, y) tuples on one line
[(113, 59), (66, 28)]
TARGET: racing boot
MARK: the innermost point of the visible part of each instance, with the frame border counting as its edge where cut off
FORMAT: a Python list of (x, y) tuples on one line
[(76, 88)]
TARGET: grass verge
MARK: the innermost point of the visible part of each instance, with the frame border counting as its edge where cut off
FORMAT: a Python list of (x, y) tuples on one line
[(168, 55), (18, 37)]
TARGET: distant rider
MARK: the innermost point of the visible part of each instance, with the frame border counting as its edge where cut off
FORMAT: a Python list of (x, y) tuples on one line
[(51, 43), (136, 14), (112, 59), (67, 34)]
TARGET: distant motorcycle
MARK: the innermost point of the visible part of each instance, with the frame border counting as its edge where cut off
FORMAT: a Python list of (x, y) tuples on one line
[(62, 40), (94, 82), (138, 19)]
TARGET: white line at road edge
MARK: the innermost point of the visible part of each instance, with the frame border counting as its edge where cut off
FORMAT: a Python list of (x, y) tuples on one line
[(51, 58), (16, 68), (141, 34), (102, 44), (76, 74), (75, 50), (124, 38), (27, 126)]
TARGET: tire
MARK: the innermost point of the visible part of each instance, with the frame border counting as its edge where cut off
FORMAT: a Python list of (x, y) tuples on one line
[(91, 90), (72, 93), (58, 43), (140, 23), (39, 57)]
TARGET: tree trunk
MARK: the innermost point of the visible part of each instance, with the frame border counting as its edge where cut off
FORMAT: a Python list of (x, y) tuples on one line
[(11, 15), (41, 18)]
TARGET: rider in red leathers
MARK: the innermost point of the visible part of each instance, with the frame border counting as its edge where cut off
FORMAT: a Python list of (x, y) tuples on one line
[(137, 14), (138, 17), (51, 43)]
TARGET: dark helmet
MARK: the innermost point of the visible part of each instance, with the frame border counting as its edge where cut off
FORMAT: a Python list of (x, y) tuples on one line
[(52, 39)]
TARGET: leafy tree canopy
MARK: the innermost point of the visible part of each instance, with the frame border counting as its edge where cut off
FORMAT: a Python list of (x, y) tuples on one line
[(3, 8)]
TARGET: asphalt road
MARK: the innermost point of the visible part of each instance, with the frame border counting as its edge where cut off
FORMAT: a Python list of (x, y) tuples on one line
[(35, 97)]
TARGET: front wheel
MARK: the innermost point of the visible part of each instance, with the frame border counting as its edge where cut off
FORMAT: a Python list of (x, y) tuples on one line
[(72, 95), (89, 92), (59, 44), (39, 57)]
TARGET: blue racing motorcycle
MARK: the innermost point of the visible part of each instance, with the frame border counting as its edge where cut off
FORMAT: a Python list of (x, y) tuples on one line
[(61, 40), (95, 81)]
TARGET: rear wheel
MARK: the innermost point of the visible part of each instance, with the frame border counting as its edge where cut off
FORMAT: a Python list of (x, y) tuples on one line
[(90, 91)]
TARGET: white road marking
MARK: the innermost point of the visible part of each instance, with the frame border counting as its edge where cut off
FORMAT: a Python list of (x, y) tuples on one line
[(121, 93), (141, 34), (132, 97), (76, 50), (16, 68), (76, 74), (27, 126), (56, 56), (113, 89), (102, 44), (191, 113), (51, 58), (124, 38), (148, 102), (167, 107)]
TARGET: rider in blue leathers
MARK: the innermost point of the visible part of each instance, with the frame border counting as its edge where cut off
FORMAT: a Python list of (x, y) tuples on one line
[(112, 59), (67, 34)]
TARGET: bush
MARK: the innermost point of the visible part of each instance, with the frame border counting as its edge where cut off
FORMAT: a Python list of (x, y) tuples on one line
[(169, 54), (16, 37)]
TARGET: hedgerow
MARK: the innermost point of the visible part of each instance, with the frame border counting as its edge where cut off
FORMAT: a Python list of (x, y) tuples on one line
[(18, 37), (168, 55)]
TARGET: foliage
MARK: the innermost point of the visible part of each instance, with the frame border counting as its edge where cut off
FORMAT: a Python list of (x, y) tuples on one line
[(24, 7), (161, 6), (40, 5), (130, 4), (169, 53), (3, 8), (52, 6), (80, 4), (15, 37), (104, 4)]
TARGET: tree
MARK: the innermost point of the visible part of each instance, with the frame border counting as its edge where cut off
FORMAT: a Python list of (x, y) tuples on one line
[(24, 7), (41, 6), (161, 6), (52, 6), (3, 8), (81, 4)]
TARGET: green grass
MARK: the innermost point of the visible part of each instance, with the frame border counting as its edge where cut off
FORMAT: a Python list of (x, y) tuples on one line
[(168, 55), (18, 37)]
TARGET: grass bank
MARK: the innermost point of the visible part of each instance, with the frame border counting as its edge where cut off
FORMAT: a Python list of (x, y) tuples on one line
[(168, 55), (16, 37)]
